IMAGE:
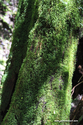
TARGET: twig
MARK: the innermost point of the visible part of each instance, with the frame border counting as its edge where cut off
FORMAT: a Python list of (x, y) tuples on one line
[(80, 78), (76, 85)]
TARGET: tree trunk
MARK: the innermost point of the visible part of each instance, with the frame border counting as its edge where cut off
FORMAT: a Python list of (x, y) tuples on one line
[(38, 77)]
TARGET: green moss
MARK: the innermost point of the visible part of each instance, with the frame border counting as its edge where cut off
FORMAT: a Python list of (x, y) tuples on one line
[(43, 89), (18, 48)]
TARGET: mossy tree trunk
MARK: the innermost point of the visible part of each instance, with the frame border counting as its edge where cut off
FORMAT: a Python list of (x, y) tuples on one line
[(38, 77)]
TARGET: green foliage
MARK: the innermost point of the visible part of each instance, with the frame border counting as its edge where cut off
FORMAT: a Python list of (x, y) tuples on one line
[(4, 78)]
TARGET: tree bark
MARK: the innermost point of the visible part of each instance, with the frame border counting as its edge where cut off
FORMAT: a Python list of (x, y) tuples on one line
[(37, 87)]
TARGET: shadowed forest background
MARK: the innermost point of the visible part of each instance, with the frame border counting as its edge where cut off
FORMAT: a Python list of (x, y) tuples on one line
[(41, 62)]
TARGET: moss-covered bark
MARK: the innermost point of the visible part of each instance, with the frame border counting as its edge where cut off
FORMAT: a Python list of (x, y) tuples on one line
[(26, 17), (43, 88)]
